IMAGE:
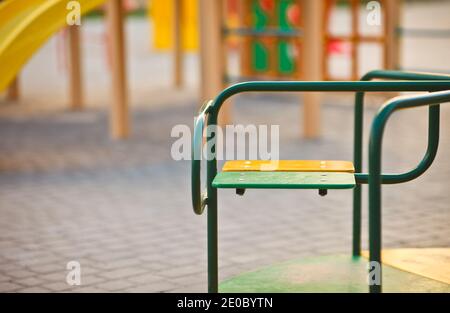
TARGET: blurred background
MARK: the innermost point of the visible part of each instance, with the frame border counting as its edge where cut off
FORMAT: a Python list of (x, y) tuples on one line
[(86, 114)]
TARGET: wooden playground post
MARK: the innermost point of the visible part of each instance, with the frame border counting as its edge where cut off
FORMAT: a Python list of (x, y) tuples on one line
[(212, 65), (245, 41), (75, 70), (272, 45), (177, 44), (13, 90), (298, 43), (119, 119), (355, 39), (392, 41), (312, 63)]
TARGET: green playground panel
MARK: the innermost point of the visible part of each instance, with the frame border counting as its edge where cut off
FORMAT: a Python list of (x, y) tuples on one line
[(286, 63), (335, 273), (260, 52), (260, 58), (284, 180)]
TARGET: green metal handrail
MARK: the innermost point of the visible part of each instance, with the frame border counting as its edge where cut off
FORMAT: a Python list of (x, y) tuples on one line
[(362, 178), (199, 198), (375, 176), (307, 86), (280, 86)]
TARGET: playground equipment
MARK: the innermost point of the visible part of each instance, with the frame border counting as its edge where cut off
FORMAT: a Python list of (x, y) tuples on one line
[(271, 34), (164, 13), (26, 25), (273, 46), (351, 272), (272, 38), (175, 28), (386, 39), (212, 51), (19, 24)]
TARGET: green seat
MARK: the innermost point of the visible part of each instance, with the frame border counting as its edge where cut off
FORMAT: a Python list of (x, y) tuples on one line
[(284, 180)]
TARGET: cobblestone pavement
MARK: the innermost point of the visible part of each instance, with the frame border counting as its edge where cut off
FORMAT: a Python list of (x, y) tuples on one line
[(122, 209)]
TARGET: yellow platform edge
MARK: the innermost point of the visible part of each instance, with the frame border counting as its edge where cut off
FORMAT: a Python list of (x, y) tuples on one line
[(433, 263), (289, 166)]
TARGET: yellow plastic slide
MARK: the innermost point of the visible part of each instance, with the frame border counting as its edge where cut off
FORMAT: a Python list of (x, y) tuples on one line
[(25, 25)]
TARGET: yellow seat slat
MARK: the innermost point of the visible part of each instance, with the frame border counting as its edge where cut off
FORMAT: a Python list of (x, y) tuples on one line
[(289, 166)]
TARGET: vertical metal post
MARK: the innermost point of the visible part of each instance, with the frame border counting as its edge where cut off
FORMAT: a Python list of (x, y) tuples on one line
[(375, 151), (213, 270), (357, 159)]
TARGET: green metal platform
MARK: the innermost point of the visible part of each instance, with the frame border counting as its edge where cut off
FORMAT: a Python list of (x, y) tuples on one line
[(284, 180), (339, 273)]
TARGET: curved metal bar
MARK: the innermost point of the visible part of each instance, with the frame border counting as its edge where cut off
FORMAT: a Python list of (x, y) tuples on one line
[(199, 198), (403, 75), (358, 129), (424, 164), (306, 86), (375, 177), (433, 140)]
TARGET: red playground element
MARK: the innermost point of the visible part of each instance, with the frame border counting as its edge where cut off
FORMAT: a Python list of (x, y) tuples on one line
[(294, 14), (267, 5), (336, 46)]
